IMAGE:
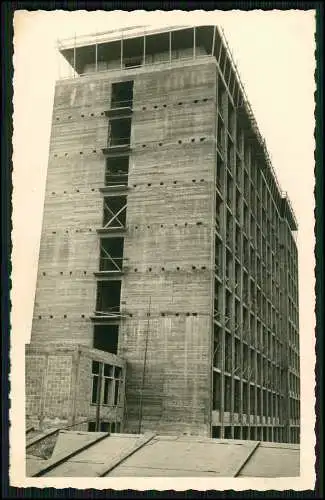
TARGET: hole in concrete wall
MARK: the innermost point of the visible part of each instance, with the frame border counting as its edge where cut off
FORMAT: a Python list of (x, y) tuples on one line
[(202, 139), (180, 103), (176, 314), (61, 272), (77, 191), (163, 269), (77, 230), (143, 145), (69, 117), (203, 267), (106, 338), (108, 296), (91, 114), (102, 113), (131, 315), (161, 183), (134, 185), (193, 267), (53, 192), (199, 223), (192, 140), (65, 154), (161, 225), (40, 317), (111, 254), (148, 314), (90, 229), (67, 231), (164, 105), (201, 180), (155, 106), (187, 314), (205, 99), (93, 189), (160, 144), (55, 156), (53, 232), (193, 180), (196, 101), (57, 118), (176, 224), (135, 270), (70, 273), (149, 183), (81, 153), (94, 151), (64, 315), (162, 314), (194, 314), (51, 316), (175, 182), (85, 272), (150, 269), (177, 268), (185, 224), (82, 315), (179, 142), (143, 107), (64, 192), (136, 227)]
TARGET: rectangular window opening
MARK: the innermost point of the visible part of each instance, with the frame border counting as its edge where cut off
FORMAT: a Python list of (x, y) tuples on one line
[(106, 339)]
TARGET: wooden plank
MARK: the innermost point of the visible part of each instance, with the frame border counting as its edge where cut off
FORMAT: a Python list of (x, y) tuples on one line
[(55, 463), (121, 457)]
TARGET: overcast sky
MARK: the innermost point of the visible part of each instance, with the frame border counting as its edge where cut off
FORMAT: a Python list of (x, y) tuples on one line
[(274, 52)]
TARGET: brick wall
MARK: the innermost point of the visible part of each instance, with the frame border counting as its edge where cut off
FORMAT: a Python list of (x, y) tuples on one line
[(59, 385)]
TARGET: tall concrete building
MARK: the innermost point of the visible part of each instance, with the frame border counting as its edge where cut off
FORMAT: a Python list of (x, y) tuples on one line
[(167, 290)]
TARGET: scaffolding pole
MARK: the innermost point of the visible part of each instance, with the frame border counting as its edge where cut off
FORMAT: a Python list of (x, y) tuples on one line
[(144, 368)]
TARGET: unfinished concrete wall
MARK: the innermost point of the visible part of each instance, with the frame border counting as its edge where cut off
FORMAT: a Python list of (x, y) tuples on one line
[(168, 247), (65, 294)]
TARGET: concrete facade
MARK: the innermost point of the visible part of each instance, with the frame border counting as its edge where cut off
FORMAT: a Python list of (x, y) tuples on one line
[(202, 303)]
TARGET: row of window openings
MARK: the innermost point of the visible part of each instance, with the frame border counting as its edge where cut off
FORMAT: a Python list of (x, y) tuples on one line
[(245, 362), (250, 400), (269, 434), (259, 198)]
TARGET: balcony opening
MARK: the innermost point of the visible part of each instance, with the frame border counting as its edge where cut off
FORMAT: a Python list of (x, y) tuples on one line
[(111, 254), (119, 132), (157, 48), (216, 432), (108, 298), (114, 212), (252, 400), (116, 172), (245, 398), (217, 349), (106, 338), (122, 94), (245, 433), (220, 170), (228, 353), (228, 433), (216, 391), (237, 432), (132, 52), (237, 398)]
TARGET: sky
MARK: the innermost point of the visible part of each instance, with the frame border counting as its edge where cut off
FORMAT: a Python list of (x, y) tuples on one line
[(274, 53)]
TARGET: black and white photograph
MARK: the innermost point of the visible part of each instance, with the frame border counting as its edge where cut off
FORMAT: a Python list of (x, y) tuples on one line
[(163, 324)]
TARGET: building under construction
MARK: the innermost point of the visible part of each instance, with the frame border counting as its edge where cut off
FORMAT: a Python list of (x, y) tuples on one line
[(167, 289)]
